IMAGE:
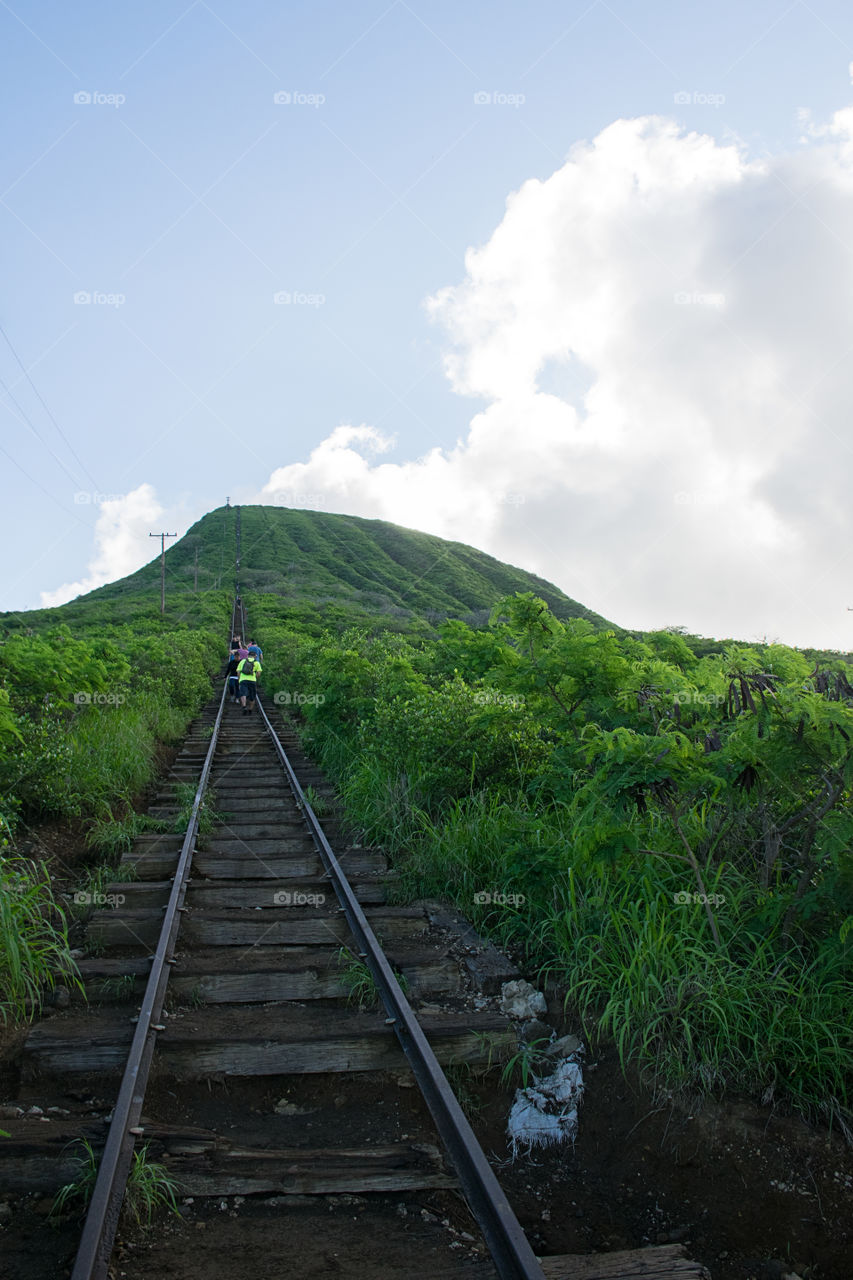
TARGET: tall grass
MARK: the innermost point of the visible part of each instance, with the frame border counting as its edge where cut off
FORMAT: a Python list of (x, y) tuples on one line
[(639, 967), (112, 749), (149, 1186), (34, 949), (113, 836)]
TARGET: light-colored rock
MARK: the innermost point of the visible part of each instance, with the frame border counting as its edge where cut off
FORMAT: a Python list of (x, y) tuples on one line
[(521, 1000), (564, 1047), (536, 1030)]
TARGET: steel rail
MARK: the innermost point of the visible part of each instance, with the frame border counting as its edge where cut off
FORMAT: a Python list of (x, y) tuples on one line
[(511, 1252), (99, 1229)]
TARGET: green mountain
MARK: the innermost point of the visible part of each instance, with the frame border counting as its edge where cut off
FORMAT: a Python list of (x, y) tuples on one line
[(317, 569)]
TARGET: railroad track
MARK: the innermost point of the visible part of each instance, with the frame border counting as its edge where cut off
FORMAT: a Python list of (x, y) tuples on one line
[(250, 940), (220, 974)]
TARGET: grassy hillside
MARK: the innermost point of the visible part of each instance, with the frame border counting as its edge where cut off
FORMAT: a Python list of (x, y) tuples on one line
[(320, 568), (379, 568)]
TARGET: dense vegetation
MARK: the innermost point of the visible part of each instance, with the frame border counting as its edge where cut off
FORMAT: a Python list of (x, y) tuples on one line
[(82, 714), (660, 822), (666, 833), (89, 690)]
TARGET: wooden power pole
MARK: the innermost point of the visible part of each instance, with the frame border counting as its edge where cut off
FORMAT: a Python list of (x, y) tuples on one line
[(162, 537)]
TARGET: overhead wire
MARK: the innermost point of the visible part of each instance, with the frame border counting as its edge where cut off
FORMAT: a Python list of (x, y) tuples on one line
[(46, 492), (50, 415)]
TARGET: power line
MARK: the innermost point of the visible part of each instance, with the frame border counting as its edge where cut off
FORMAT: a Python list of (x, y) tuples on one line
[(41, 399), (39, 485), (24, 417)]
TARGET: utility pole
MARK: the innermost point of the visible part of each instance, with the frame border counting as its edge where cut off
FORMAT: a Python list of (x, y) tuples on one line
[(162, 537)]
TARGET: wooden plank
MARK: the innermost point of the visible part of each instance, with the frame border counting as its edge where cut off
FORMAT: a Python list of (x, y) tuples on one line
[(658, 1262), (21, 1174), (257, 847), (216, 1169), (356, 862), (211, 896), (228, 1183), (276, 926), (241, 865), (307, 983), (275, 1058), (250, 830), (246, 808), (262, 1040)]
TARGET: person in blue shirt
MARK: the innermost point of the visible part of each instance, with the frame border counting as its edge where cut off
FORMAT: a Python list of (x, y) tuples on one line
[(255, 651)]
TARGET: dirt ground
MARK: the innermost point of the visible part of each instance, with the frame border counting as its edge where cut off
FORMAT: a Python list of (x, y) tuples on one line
[(753, 1195)]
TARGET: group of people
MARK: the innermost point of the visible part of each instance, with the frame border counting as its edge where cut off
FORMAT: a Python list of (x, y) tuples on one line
[(244, 667)]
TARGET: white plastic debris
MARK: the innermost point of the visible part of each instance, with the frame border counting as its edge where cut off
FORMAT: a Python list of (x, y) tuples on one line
[(521, 1000), (546, 1113)]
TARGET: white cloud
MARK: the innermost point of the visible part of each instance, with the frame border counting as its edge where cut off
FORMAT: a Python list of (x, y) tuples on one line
[(121, 542), (698, 302)]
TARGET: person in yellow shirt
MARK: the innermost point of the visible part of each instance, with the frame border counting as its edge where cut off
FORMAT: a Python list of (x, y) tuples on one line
[(248, 670)]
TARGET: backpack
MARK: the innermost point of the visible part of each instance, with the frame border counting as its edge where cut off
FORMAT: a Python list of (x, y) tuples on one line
[(248, 667)]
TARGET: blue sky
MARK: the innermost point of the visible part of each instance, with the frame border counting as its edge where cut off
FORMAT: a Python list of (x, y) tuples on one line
[(148, 165)]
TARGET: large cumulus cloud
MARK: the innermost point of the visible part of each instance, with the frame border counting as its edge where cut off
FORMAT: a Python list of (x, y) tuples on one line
[(121, 542), (661, 333)]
